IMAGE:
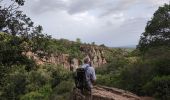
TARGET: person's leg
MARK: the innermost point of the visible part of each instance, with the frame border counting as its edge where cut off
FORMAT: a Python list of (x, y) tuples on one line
[(77, 95), (89, 95)]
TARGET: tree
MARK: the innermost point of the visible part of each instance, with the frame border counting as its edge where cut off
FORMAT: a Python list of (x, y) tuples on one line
[(102, 45), (157, 31), (23, 35), (78, 40), (11, 49), (13, 21), (93, 43)]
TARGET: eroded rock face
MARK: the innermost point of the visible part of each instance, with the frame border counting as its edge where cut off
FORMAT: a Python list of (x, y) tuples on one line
[(95, 53)]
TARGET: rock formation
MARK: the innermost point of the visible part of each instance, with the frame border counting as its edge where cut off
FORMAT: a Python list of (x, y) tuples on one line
[(95, 53)]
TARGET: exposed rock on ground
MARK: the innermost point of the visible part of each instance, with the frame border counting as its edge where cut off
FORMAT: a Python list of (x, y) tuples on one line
[(107, 93)]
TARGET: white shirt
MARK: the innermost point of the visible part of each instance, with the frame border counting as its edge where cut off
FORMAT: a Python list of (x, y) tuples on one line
[(90, 74)]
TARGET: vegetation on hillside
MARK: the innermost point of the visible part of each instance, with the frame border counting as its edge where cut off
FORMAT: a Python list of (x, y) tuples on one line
[(21, 78), (145, 70)]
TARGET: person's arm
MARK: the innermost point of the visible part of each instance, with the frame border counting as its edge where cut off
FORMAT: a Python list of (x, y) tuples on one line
[(93, 76)]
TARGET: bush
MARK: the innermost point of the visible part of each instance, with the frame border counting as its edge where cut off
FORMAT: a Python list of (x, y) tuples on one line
[(108, 80), (134, 76), (37, 79), (15, 83), (62, 91), (159, 87), (63, 87), (37, 84), (41, 94), (162, 66), (32, 96)]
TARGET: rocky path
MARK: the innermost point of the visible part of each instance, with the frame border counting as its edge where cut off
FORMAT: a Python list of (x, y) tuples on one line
[(107, 93)]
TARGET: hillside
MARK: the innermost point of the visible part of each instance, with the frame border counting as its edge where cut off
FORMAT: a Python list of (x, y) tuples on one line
[(69, 58), (36, 66)]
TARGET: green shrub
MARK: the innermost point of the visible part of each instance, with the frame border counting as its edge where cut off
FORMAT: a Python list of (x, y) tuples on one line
[(104, 80), (15, 83), (63, 87), (162, 66), (42, 94), (32, 96), (46, 90), (37, 79), (159, 87), (62, 91)]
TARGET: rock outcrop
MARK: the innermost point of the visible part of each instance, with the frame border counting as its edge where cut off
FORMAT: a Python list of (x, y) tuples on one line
[(95, 53)]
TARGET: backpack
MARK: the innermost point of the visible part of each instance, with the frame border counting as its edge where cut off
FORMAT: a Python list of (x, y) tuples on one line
[(81, 80)]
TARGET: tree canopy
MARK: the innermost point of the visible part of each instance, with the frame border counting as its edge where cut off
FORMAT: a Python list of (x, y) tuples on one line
[(157, 31)]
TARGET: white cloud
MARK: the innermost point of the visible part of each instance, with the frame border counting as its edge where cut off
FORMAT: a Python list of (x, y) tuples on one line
[(158, 2), (84, 17), (112, 22)]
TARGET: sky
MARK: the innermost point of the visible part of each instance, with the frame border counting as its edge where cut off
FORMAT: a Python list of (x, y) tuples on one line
[(114, 23)]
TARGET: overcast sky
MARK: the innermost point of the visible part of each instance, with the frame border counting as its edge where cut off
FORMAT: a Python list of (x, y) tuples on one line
[(110, 22)]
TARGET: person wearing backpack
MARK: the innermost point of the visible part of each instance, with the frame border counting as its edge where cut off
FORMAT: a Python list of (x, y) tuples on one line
[(85, 77)]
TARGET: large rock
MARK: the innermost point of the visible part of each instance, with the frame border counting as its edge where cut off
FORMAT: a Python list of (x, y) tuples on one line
[(95, 53)]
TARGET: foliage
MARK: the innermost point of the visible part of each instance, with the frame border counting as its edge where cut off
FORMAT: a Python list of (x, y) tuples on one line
[(114, 53), (13, 21), (146, 74), (134, 76), (145, 71), (11, 48), (109, 74), (62, 91), (14, 83), (159, 87), (107, 80), (36, 84), (18, 34), (41, 94), (63, 87), (21, 77), (33, 96), (78, 40), (157, 30), (64, 46)]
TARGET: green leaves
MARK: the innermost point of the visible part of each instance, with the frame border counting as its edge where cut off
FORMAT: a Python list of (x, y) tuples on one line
[(159, 87), (18, 83), (157, 31), (14, 22)]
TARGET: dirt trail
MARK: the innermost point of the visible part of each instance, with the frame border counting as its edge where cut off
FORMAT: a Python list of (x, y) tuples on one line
[(107, 93)]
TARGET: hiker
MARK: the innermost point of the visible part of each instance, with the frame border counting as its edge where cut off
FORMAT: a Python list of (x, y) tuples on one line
[(85, 79)]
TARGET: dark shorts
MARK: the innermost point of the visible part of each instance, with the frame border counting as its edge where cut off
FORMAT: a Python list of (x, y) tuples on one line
[(88, 94), (84, 95)]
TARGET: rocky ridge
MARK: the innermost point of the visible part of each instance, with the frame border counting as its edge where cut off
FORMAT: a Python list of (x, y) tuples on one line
[(95, 53)]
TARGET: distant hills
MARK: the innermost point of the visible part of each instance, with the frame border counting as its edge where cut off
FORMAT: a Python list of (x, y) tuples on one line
[(126, 47)]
